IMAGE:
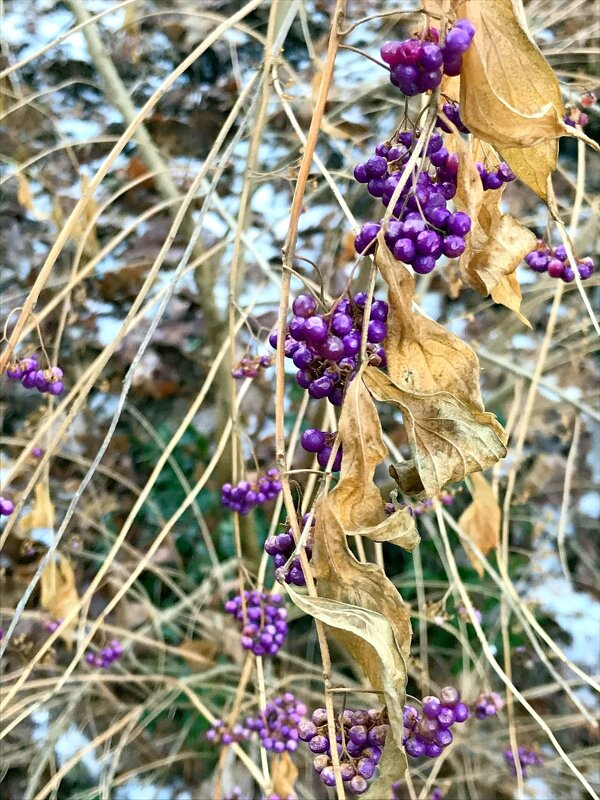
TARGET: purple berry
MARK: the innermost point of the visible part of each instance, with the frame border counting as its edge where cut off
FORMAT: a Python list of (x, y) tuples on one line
[(431, 706), (423, 265), (459, 224), (315, 329), (377, 331), (312, 440), (555, 268), (304, 306)]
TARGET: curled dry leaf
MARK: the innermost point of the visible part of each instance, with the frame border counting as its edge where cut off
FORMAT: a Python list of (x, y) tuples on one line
[(423, 356), (449, 438), (356, 500), (497, 243), (480, 521), (522, 118), (283, 776), (368, 616), (59, 593)]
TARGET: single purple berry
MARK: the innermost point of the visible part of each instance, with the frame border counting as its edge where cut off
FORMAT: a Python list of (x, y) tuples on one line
[(304, 306)]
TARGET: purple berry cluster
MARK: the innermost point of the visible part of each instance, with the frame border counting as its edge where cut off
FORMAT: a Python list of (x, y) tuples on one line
[(527, 758), (278, 725), (6, 507), (28, 371), (324, 347), (219, 733), (575, 117), (423, 229), (487, 704), (246, 496), (555, 262), (51, 625), (428, 733), (250, 366), (360, 737), (106, 656), (418, 64), (264, 624), (281, 546), (493, 179), (452, 112), (321, 443)]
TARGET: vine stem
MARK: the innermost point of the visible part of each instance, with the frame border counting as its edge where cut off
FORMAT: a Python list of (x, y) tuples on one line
[(287, 253)]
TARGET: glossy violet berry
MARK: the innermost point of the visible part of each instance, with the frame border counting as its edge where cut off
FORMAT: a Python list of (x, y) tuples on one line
[(458, 224), (431, 706), (320, 387), (312, 440), (453, 246), (304, 306), (555, 268), (377, 331), (6, 507), (315, 329)]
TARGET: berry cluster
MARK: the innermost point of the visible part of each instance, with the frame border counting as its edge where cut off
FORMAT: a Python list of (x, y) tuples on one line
[(423, 228), (6, 507), (278, 725), (321, 443), (527, 758), (324, 347), (487, 704), (418, 64), (51, 625), (427, 734), (360, 736), (281, 546), (106, 656), (246, 496), (555, 262), (575, 117), (37, 452), (494, 179), (452, 112), (221, 734), (264, 622), (250, 366), (28, 371)]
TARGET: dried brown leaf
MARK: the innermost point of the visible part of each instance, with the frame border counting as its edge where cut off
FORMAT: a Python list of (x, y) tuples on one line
[(399, 529), (283, 776), (422, 355), (510, 96), (481, 520), (356, 500), (42, 512), (59, 593), (497, 243), (448, 438)]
